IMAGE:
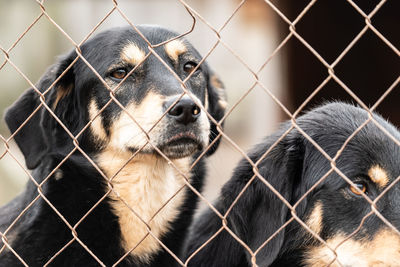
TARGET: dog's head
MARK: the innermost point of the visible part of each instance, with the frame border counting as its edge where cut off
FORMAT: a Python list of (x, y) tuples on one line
[(147, 112), (334, 208)]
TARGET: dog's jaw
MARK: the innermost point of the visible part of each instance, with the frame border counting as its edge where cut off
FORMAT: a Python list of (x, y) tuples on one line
[(181, 147), (363, 253), (147, 194)]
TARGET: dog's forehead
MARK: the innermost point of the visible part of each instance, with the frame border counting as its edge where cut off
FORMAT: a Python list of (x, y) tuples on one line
[(377, 145), (140, 35), (373, 154), (132, 46), (153, 34), (369, 151)]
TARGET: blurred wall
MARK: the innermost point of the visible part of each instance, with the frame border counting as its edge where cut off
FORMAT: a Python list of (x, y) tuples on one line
[(369, 68), (252, 34)]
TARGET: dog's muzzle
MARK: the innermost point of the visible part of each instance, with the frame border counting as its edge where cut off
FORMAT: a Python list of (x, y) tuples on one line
[(185, 136)]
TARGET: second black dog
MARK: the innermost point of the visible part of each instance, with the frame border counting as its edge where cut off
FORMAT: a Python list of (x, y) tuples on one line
[(333, 210)]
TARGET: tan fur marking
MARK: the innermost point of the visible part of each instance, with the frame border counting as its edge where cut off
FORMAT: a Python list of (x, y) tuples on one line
[(96, 126), (216, 82), (206, 101), (314, 221), (382, 250), (61, 93), (125, 131), (133, 54), (58, 175), (146, 183), (175, 48), (219, 87), (223, 104), (378, 175)]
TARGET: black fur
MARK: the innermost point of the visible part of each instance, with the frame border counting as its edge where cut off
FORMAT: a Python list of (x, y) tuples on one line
[(40, 232), (292, 167)]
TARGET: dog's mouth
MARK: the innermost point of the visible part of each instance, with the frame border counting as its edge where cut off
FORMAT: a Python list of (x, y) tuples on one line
[(181, 145)]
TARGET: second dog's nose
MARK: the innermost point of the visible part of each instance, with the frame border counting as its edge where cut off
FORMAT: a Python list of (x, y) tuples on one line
[(185, 111)]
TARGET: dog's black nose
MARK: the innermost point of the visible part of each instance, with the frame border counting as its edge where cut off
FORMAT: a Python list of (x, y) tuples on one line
[(184, 111)]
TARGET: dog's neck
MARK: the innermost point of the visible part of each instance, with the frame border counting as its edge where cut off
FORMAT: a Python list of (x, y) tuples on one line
[(148, 192)]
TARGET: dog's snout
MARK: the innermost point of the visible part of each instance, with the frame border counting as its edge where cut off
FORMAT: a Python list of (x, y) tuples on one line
[(185, 111)]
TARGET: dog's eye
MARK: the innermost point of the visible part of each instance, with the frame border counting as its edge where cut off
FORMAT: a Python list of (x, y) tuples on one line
[(361, 186), (189, 67), (119, 74)]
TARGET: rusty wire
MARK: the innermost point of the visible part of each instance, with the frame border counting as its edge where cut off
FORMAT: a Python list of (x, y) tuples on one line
[(198, 18)]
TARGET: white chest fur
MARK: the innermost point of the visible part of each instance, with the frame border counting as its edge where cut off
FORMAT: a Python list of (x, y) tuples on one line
[(152, 191)]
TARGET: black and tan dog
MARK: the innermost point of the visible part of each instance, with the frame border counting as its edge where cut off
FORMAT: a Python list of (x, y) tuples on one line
[(146, 182), (333, 210)]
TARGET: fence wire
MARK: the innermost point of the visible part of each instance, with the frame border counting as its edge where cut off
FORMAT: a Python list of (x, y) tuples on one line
[(198, 18)]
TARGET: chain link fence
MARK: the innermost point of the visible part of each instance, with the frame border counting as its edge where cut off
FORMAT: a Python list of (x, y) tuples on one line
[(198, 18)]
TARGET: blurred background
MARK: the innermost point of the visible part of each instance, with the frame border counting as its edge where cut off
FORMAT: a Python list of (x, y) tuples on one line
[(369, 68)]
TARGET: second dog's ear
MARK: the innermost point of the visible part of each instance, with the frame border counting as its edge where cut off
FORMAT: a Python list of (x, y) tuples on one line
[(30, 130), (257, 214), (216, 106), (262, 212)]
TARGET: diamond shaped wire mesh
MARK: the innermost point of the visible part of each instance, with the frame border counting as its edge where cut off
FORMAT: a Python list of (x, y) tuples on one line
[(198, 18)]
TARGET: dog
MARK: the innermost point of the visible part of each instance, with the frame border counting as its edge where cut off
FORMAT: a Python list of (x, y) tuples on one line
[(124, 173), (333, 210)]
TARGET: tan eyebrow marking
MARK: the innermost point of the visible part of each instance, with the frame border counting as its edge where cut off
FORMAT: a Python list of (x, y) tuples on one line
[(378, 175), (132, 54), (175, 48)]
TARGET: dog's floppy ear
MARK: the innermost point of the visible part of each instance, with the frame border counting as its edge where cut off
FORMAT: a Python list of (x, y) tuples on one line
[(216, 106), (258, 213), (32, 138)]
